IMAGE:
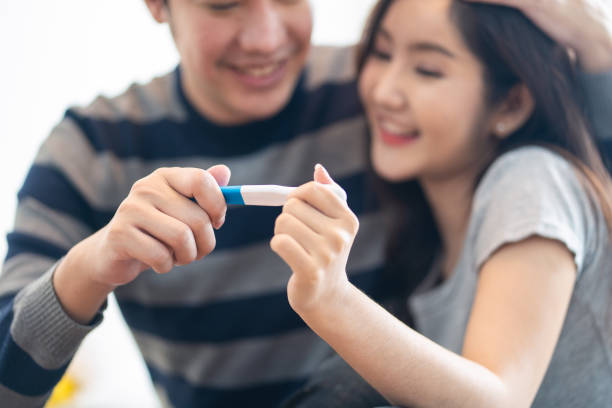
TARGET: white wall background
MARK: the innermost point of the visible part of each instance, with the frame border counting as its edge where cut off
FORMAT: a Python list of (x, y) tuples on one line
[(54, 54)]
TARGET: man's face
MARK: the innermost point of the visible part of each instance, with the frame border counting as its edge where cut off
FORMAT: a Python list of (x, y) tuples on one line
[(240, 59)]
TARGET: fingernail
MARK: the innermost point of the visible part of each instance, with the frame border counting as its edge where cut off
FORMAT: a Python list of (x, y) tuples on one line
[(320, 166), (220, 222)]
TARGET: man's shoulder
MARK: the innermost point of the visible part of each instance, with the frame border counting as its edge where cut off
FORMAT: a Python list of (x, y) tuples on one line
[(140, 102), (330, 64)]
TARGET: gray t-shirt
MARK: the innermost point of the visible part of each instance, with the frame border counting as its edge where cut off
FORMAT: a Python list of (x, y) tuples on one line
[(533, 191)]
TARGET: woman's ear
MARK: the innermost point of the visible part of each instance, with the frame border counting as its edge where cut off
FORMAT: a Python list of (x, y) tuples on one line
[(513, 112), (158, 9)]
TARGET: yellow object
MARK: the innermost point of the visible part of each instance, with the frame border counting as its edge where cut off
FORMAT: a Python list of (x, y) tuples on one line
[(63, 392)]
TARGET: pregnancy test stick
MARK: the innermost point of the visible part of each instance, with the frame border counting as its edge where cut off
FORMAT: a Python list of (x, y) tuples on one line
[(266, 195)]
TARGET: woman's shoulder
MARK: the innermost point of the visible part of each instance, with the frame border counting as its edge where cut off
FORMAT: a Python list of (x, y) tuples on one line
[(530, 169), (529, 191), (527, 160)]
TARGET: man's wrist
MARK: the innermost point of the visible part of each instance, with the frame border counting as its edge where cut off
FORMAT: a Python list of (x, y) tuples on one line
[(595, 57), (80, 297), (596, 61)]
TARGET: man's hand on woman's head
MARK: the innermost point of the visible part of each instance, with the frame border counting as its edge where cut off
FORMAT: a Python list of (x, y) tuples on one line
[(585, 26)]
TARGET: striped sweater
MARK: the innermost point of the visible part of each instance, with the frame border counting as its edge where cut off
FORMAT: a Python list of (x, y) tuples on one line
[(218, 332)]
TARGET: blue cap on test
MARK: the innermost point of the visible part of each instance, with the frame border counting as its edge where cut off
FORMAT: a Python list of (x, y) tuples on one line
[(232, 195)]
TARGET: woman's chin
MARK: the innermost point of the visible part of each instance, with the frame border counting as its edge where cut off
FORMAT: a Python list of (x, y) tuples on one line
[(393, 175)]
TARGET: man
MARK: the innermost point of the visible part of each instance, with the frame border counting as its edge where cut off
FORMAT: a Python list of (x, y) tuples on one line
[(117, 200)]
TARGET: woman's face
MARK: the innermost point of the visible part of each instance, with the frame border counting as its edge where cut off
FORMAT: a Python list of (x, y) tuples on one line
[(424, 95)]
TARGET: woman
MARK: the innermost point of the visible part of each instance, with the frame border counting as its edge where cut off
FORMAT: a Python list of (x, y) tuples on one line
[(477, 133)]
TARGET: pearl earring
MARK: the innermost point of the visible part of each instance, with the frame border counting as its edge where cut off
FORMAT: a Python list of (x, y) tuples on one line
[(500, 127)]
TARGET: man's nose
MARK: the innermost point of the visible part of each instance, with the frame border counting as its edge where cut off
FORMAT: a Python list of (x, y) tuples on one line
[(264, 30)]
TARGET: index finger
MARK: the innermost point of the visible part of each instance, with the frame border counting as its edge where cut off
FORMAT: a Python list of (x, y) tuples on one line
[(322, 198), (203, 187)]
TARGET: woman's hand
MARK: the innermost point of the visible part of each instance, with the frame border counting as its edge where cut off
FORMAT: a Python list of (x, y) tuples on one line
[(585, 26), (314, 235)]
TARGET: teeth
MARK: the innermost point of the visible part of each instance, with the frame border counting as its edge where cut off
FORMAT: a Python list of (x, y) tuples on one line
[(260, 71)]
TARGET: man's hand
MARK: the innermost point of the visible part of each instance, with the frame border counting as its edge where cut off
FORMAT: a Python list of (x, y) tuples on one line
[(157, 226), (585, 26)]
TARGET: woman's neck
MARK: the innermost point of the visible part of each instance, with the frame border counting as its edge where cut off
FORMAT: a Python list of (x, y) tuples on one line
[(451, 202)]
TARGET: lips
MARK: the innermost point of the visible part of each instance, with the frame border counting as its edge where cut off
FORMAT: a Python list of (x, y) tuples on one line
[(397, 140), (395, 135)]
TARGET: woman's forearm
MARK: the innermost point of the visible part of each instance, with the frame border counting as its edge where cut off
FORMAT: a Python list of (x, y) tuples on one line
[(404, 366)]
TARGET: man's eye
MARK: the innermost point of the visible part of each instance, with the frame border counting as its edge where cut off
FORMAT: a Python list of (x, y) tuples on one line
[(222, 6)]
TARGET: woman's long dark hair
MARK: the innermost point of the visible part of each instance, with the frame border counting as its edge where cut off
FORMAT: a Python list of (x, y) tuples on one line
[(513, 51)]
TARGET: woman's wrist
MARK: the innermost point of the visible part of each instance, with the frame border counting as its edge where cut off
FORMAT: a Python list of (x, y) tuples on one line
[(331, 308)]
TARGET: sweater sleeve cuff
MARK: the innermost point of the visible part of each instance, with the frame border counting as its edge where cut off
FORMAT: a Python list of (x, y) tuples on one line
[(42, 328)]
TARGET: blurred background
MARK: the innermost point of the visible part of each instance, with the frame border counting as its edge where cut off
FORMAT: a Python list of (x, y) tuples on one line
[(61, 53)]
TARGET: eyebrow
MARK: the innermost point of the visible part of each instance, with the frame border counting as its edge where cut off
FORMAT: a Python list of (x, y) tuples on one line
[(431, 47), (421, 46)]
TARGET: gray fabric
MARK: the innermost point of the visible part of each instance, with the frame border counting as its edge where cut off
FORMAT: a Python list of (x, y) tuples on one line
[(21, 270), (335, 385), (526, 192), (205, 364), (35, 218), (42, 328)]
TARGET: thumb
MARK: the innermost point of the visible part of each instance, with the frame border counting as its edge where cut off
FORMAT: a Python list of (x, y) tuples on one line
[(321, 175), (221, 173)]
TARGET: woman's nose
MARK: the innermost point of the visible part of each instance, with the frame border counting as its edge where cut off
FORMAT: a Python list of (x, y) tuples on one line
[(388, 92)]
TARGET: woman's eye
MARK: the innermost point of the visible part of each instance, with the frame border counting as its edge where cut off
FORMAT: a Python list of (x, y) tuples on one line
[(379, 54), (429, 73)]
